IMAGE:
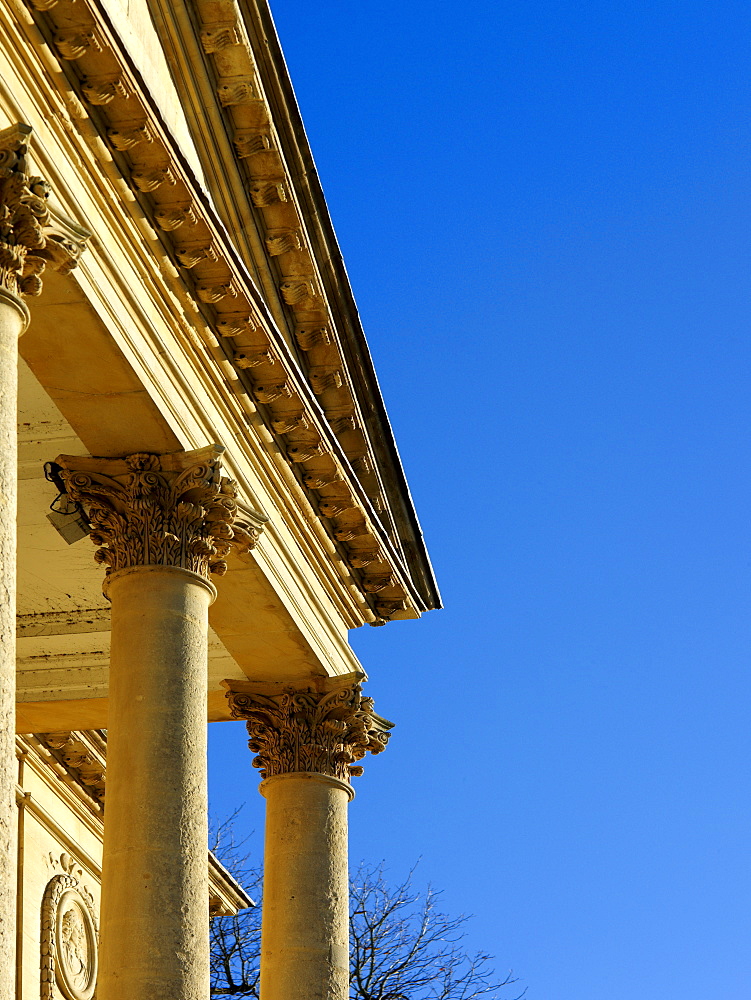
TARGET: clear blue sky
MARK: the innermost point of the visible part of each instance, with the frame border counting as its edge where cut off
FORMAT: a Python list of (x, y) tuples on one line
[(545, 208)]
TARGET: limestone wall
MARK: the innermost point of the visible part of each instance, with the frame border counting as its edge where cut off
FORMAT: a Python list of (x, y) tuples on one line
[(60, 843)]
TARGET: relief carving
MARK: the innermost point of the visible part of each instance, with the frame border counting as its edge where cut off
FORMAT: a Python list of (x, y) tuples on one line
[(126, 138), (290, 422), (215, 293), (170, 219), (31, 236), (74, 43), (69, 938), (219, 37), (191, 256), (150, 180), (236, 324), (267, 193), (253, 358), (297, 291), (78, 755), (101, 91), (322, 731), (268, 393), (236, 90), (279, 241), (323, 377), (248, 144), (150, 510), (303, 452), (311, 337)]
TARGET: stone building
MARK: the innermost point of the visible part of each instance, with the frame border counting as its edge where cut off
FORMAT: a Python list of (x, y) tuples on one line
[(184, 381)]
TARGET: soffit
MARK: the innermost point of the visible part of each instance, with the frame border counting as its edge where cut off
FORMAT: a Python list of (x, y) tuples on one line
[(63, 620)]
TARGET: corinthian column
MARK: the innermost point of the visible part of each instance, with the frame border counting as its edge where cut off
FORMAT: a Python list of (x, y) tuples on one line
[(163, 524), (307, 741), (24, 217)]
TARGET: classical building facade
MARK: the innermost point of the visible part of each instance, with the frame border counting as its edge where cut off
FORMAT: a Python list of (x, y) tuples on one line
[(184, 383)]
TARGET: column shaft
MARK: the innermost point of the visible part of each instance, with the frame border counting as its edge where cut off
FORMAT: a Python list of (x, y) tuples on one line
[(155, 873), (307, 740), (305, 935), (13, 320)]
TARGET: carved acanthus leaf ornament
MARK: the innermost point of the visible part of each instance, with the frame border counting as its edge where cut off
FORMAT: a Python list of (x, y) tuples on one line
[(31, 237), (23, 213), (308, 730), (151, 510)]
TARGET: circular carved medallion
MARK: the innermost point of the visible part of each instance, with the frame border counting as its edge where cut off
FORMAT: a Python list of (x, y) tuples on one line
[(69, 941), (76, 947)]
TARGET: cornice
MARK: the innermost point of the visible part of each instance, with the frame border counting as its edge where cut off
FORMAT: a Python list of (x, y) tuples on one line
[(340, 300), (268, 378), (76, 758)]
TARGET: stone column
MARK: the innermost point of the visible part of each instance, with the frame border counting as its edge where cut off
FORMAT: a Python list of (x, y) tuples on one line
[(307, 741), (163, 524), (24, 223)]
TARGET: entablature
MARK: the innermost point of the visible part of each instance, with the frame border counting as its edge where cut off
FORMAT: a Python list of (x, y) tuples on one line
[(306, 410)]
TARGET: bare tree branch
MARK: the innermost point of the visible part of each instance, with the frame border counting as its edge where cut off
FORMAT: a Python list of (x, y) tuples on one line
[(402, 946)]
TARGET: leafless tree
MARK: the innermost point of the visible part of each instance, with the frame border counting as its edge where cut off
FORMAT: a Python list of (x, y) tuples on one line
[(236, 941), (402, 946)]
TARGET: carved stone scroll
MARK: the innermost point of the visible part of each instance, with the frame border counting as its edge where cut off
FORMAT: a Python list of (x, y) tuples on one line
[(322, 729), (151, 510)]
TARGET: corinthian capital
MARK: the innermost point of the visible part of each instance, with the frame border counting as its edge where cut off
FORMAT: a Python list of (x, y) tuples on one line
[(159, 510), (323, 728), (30, 238)]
